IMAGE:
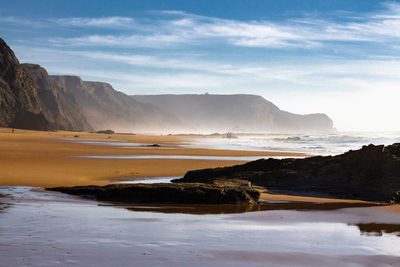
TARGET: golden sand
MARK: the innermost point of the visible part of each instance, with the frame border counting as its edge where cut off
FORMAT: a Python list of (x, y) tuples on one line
[(38, 158)]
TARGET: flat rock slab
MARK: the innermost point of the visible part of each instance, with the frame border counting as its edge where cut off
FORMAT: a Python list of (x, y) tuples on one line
[(371, 173), (188, 193)]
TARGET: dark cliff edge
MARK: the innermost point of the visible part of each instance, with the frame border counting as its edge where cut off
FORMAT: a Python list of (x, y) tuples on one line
[(19, 101), (30, 99), (371, 173), (59, 106), (166, 193)]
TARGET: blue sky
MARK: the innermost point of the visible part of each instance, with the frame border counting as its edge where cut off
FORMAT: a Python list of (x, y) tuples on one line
[(337, 57)]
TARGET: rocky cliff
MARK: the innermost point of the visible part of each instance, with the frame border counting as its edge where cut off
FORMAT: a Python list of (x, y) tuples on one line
[(235, 113), (30, 98), (106, 108), (371, 173), (58, 105), (19, 100)]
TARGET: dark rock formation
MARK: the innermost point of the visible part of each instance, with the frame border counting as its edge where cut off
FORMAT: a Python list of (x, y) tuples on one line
[(165, 193), (19, 101), (235, 113), (107, 108), (378, 229), (105, 131), (58, 105), (371, 173), (30, 99)]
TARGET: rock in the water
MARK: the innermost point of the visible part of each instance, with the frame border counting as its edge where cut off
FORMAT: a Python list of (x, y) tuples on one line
[(190, 193), (105, 131), (371, 173)]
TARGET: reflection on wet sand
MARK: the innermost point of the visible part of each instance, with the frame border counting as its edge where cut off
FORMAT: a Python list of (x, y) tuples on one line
[(233, 208), (3, 206), (186, 157), (267, 258), (43, 228), (378, 229)]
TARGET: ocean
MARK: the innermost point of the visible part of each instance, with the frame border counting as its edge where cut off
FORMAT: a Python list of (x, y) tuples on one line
[(314, 144)]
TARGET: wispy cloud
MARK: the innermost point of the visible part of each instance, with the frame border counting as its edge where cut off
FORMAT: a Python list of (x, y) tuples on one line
[(319, 85), (136, 40), (177, 27), (21, 21), (96, 22), (331, 74)]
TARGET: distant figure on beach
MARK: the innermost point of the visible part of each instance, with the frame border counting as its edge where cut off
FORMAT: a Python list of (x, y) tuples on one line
[(230, 135), (12, 130)]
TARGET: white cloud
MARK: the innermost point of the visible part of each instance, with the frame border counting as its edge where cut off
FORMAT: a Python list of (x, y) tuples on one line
[(357, 93), (95, 22), (21, 21), (136, 40), (180, 28), (335, 74)]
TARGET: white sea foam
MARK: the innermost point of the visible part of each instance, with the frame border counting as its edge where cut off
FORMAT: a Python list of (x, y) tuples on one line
[(328, 144)]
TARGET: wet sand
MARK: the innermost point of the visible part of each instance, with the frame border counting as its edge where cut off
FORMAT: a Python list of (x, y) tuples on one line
[(38, 158), (53, 229), (286, 197), (42, 228), (390, 208), (47, 159)]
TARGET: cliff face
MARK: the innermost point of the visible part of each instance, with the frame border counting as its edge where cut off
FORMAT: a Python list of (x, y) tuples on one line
[(31, 99), (106, 108), (238, 113), (58, 105), (19, 101)]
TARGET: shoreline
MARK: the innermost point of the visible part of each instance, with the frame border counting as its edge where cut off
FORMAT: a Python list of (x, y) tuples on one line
[(44, 159), (39, 158)]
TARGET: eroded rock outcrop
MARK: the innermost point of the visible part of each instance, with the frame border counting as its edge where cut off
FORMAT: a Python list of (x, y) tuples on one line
[(371, 173), (30, 99), (19, 101), (188, 193), (58, 105)]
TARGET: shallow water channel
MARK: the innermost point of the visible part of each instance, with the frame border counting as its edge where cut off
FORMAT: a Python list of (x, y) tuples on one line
[(42, 228)]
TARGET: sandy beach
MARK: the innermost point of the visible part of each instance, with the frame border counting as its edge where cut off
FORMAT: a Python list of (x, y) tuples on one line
[(46, 159), (35, 158), (45, 228)]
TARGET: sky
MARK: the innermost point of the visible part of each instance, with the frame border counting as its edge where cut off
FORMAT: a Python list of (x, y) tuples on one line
[(337, 57)]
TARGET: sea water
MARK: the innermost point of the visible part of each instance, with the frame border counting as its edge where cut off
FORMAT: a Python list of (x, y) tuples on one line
[(316, 144)]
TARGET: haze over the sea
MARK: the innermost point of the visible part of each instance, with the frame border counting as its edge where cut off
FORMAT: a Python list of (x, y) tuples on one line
[(336, 57)]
